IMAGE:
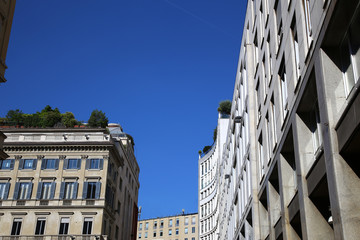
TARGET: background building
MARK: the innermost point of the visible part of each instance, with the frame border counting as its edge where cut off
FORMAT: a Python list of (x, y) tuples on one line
[(68, 182), (177, 227), (289, 168)]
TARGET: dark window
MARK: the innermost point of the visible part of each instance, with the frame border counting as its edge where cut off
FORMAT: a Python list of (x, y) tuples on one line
[(91, 189), (193, 230), (68, 190), (7, 164), (22, 190), (94, 163), (16, 227), (4, 190), (28, 163), (64, 226), (73, 163), (50, 164), (40, 226), (87, 226)]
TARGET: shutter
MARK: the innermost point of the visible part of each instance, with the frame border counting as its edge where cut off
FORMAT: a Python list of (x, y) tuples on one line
[(74, 196), (56, 164), (79, 164), (7, 187), (62, 189), (87, 165), (39, 190), (21, 163), (66, 163), (97, 191), (34, 164), (43, 163), (12, 164), (101, 164), (53, 187), (30, 191), (16, 191), (85, 187)]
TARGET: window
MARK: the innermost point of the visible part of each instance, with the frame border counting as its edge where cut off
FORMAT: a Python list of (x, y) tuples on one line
[(7, 164), (256, 51), (261, 156), (27, 164), (64, 225), (16, 227), (68, 190), (177, 222), (186, 221), (176, 231), (94, 163), (155, 224), (170, 232), (161, 223), (117, 232), (72, 163), (46, 190), (186, 230), (161, 233), (4, 190), (40, 226), (192, 238), (283, 88), (91, 190), (295, 44), (306, 6), (146, 234), (120, 183), (88, 222), (154, 235), (140, 226), (170, 223), (139, 235), (50, 164), (193, 219), (193, 230), (22, 190), (146, 226), (118, 207)]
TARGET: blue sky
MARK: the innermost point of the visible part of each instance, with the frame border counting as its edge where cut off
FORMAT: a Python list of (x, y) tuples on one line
[(157, 67)]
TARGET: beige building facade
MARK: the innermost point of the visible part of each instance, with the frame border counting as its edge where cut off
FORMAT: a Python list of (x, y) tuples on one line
[(68, 183), (177, 227), (289, 168)]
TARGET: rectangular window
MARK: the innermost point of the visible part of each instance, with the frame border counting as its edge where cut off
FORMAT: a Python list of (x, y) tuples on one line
[(68, 190), (273, 122), (139, 235), (295, 44), (140, 226), (7, 164), (170, 223), (27, 164), (50, 164), (146, 234), (193, 230), (40, 226), (161, 223), (170, 232), (193, 219), (161, 233), (146, 226), (177, 222), (16, 227), (94, 163), (46, 190), (64, 226), (261, 156), (155, 224), (88, 222), (154, 235), (186, 230), (176, 231), (72, 163), (91, 190), (283, 88), (4, 190), (23, 190), (306, 6), (186, 221)]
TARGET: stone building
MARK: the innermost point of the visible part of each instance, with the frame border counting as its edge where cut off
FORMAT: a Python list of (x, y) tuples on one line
[(177, 227), (68, 183), (289, 168)]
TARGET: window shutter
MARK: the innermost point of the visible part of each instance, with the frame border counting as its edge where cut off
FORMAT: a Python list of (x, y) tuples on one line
[(12, 164), (97, 191), (101, 164), (87, 165), (39, 190), (34, 164), (62, 189), (43, 163), (21, 163), (16, 191), (66, 162), (7, 187), (53, 187), (74, 196), (30, 191), (79, 164), (85, 187), (56, 164)]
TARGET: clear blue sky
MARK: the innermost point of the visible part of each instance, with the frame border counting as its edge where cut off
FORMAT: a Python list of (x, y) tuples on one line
[(157, 67)]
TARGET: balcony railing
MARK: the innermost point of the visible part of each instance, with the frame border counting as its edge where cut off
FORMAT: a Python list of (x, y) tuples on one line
[(54, 237)]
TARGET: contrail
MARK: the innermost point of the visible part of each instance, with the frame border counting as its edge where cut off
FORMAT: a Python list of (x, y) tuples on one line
[(197, 17)]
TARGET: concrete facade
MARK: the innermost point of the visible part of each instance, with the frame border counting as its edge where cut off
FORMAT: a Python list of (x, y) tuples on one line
[(177, 227), (68, 183), (297, 95)]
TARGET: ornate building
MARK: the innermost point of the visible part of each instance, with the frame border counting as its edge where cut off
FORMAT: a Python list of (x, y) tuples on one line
[(68, 182)]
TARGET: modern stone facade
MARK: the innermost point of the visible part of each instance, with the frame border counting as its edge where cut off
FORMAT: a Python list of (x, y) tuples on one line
[(295, 175), (68, 183), (177, 227)]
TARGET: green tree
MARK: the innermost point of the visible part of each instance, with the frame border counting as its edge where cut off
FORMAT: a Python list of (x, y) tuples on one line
[(68, 119), (225, 107), (98, 119), (206, 148), (15, 117), (215, 134), (50, 117)]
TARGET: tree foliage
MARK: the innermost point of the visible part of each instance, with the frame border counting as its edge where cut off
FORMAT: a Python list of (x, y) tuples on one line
[(225, 107), (98, 119), (68, 120), (206, 148)]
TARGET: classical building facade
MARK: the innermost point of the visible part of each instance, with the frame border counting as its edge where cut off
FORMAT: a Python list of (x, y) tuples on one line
[(177, 227), (289, 167), (68, 183)]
